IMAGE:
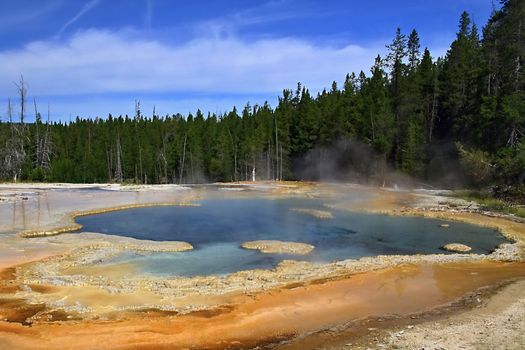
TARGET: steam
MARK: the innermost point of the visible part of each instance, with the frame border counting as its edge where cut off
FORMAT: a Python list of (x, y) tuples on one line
[(349, 160)]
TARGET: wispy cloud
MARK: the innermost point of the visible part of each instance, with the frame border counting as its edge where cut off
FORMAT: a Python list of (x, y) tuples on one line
[(87, 7), (266, 12), (12, 18), (105, 62), (149, 13)]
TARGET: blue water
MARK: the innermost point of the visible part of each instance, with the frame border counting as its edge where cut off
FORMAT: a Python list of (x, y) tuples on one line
[(218, 227)]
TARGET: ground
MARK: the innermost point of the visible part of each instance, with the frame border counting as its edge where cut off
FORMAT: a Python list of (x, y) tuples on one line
[(53, 282), (494, 322)]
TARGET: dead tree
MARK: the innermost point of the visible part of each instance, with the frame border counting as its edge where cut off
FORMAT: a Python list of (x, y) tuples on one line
[(181, 171), (281, 165), (276, 150), (268, 161), (42, 143), (7, 169), (14, 154), (161, 158), (515, 132), (22, 93), (109, 159), (138, 117), (234, 146), (42, 157), (37, 135), (119, 176), (46, 149)]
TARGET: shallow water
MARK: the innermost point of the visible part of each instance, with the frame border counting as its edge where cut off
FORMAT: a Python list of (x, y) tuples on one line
[(219, 226)]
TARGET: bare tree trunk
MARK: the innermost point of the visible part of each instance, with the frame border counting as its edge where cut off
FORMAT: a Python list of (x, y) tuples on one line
[(10, 116), (253, 168), (511, 142), (47, 146), (373, 127), (162, 157), (8, 167), (119, 176), (15, 154), (432, 117), (183, 156), (108, 160), (22, 92), (37, 137), (234, 146), (138, 116), (191, 167), (163, 168), (268, 163), (514, 134), (140, 161), (276, 150), (281, 167)]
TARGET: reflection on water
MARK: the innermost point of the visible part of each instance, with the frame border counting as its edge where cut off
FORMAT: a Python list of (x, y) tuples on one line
[(219, 226), (38, 209)]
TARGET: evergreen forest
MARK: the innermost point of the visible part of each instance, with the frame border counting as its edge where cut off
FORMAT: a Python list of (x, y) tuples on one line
[(457, 120)]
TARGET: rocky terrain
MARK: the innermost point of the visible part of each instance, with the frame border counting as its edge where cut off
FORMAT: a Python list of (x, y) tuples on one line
[(279, 247), (77, 272)]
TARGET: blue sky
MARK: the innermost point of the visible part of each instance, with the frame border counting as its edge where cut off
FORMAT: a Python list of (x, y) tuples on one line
[(95, 57)]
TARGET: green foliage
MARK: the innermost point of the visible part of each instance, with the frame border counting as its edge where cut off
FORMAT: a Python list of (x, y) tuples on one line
[(410, 110), (37, 174), (477, 165), (487, 201), (512, 163)]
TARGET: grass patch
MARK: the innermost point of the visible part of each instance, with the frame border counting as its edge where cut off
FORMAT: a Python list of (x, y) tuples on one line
[(488, 202)]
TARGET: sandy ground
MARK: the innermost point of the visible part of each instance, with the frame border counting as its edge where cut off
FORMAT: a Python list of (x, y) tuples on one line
[(272, 246), (59, 287), (497, 324), (268, 317), (482, 322)]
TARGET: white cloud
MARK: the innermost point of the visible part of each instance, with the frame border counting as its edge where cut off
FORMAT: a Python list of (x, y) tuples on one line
[(116, 62)]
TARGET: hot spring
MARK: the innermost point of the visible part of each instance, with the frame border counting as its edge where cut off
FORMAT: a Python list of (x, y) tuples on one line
[(218, 227)]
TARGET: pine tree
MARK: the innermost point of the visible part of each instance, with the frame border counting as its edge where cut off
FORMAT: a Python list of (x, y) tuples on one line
[(397, 52), (460, 78), (408, 105), (413, 50)]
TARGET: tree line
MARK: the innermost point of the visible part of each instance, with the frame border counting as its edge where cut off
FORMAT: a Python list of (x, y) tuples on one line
[(461, 116)]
